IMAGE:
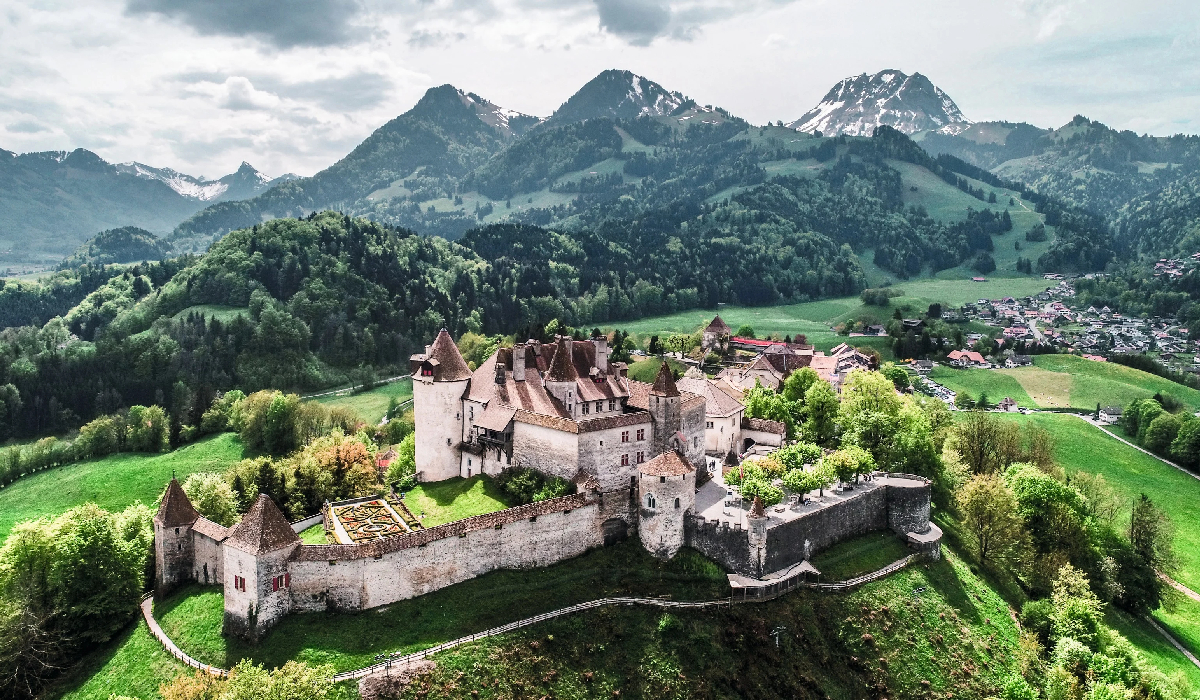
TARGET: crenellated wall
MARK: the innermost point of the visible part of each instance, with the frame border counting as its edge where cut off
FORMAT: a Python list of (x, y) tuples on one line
[(897, 502)]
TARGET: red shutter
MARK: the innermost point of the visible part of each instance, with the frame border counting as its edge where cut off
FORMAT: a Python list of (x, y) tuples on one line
[(275, 583), (287, 580)]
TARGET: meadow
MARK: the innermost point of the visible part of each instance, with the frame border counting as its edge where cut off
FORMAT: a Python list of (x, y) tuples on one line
[(114, 482), (1065, 381), (371, 405), (454, 499)]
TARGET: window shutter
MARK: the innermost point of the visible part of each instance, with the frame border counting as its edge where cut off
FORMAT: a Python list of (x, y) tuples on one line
[(275, 583), (287, 580)]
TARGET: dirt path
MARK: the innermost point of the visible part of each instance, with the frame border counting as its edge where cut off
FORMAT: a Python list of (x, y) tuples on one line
[(347, 390), (1179, 586), (1174, 642)]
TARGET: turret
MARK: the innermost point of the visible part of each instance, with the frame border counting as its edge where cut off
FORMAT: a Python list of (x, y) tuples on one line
[(174, 550), (257, 580), (757, 522), (666, 494), (664, 404), (561, 377), (440, 380)]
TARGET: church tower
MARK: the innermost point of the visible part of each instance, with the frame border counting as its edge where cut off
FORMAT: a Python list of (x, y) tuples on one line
[(665, 409), (440, 380)]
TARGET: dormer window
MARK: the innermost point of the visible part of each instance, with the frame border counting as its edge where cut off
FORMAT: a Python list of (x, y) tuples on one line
[(426, 371)]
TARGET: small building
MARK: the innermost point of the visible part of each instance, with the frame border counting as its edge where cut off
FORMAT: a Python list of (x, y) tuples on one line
[(923, 367), (1018, 361), (966, 358), (716, 335), (1007, 405), (1110, 415)]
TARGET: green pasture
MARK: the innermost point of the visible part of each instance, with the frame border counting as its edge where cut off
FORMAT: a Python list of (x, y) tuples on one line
[(224, 314), (113, 482), (975, 382), (371, 405)]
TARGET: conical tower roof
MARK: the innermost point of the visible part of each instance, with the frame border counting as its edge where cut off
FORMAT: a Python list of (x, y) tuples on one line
[(263, 529), (452, 366), (175, 509), (664, 383), (562, 368), (718, 326)]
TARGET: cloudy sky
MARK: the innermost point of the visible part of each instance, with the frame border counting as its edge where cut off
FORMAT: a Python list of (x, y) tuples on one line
[(292, 85)]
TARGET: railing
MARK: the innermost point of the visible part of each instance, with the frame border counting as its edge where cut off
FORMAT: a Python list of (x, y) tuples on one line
[(776, 589)]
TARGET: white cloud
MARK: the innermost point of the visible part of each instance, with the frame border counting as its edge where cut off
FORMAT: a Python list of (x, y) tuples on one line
[(175, 83)]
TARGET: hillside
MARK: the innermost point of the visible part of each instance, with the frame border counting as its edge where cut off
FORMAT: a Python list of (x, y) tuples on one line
[(50, 202), (119, 245)]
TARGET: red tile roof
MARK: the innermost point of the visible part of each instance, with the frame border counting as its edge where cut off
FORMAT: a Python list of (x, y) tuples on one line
[(263, 529), (669, 463)]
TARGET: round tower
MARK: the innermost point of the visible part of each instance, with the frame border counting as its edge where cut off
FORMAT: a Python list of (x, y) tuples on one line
[(757, 535), (666, 494), (440, 380)]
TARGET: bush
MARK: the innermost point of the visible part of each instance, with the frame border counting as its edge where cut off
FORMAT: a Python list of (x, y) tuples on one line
[(212, 497), (1035, 617), (525, 485), (401, 473), (223, 414), (763, 489)]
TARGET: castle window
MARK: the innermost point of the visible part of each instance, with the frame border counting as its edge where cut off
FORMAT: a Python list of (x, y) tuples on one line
[(625, 460), (649, 500), (641, 457), (599, 406), (612, 405), (176, 531), (179, 547), (662, 479), (708, 425), (641, 434), (676, 504), (624, 436), (587, 408), (472, 414), (695, 442)]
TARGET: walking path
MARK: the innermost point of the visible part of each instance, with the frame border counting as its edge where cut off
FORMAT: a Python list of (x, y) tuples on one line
[(344, 390), (398, 659), (1179, 586), (1174, 642), (1111, 434)]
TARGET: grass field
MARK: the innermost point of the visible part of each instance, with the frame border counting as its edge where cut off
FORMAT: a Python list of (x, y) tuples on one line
[(646, 370), (859, 556), (371, 405), (1066, 381), (454, 499), (1158, 650), (114, 482), (994, 383), (314, 535), (133, 664), (815, 319)]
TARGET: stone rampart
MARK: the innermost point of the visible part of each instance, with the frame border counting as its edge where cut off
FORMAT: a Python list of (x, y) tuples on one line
[(898, 502)]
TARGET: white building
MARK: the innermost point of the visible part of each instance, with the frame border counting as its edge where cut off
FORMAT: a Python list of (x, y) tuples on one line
[(559, 408)]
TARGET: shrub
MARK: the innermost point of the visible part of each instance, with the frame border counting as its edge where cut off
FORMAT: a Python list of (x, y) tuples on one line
[(401, 473), (525, 485), (762, 488), (212, 497)]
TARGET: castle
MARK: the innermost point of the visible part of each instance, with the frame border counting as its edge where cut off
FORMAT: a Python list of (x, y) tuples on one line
[(631, 450)]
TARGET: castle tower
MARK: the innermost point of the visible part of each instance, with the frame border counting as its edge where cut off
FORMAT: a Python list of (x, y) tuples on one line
[(716, 331), (174, 551), (664, 409), (561, 377), (757, 522), (440, 380), (666, 494), (257, 582)]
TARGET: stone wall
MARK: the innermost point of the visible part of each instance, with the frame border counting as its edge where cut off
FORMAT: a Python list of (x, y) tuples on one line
[(437, 434), (547, 450), (900, 504), (322, 579), (208, 559), (174, 553), (250, 613), (691, 424)]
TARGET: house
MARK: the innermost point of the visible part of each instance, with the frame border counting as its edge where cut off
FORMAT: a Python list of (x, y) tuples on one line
[(722, 415), (384, 460), (715, 335), (923, 367), (1110, 415), (1018, 361), (1007, 405), (966, 358)]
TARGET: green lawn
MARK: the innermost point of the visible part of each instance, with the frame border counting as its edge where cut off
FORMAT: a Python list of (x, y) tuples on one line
[(1181, 616), (1158, 650), (371, 405), (646, 370), (454, 499), (113, 482), (859, 556), (133, 664), (314, 535), (978, 381), (1062, 381)]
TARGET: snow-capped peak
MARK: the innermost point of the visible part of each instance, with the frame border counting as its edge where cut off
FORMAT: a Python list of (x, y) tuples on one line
[(856, 105), (619, 94), (508, 121), (245, 182)]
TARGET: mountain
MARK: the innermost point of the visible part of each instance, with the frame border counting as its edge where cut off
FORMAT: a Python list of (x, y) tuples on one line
[(856, 105), (619, 94), (422, 152), (118, 245), (242, 184), (50, 202)]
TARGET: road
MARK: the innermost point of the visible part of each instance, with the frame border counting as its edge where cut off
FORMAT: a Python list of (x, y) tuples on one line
[(349, 389)]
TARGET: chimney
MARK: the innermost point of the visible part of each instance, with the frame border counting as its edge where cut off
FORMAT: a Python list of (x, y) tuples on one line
[(519, 362), (499, 372), (601, 344), (428, 349)]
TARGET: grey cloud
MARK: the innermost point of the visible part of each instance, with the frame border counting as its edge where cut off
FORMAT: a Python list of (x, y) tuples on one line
[(25, 127), (637, 21), (351, 92), (423, 39), (282, 24)]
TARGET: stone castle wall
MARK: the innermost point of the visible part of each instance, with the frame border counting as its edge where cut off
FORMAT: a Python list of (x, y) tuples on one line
[(901, 505), (356, 577)]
